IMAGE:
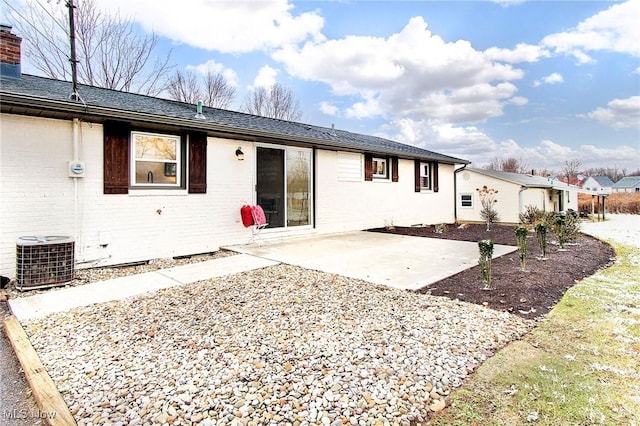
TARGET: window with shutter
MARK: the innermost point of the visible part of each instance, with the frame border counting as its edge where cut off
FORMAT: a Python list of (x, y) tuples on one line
[(156, 160), (426, 176), (152, 160)]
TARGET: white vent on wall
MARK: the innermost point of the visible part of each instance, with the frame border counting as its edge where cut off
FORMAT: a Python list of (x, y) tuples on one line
[(44, 261), (350, 167)]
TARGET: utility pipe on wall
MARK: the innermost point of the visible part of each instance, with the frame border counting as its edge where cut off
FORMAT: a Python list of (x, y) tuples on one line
[(76, 138)]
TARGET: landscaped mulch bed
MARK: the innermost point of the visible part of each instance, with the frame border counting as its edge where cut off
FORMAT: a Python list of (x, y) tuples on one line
[(530, 293)]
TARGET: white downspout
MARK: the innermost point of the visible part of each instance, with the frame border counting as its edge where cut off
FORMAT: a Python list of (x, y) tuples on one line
[(520, 206), (76, 138), (75, 175)]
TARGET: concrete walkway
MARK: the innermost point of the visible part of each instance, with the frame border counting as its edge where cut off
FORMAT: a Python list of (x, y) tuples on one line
[(43, 304)]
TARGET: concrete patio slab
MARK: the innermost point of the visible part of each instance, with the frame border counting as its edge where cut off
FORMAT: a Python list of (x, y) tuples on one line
[(394, 260)]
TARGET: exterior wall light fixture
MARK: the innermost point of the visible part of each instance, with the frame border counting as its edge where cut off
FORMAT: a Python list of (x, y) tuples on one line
[(239, 153)]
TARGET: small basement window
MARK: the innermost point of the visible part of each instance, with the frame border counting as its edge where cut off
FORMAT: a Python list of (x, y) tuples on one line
[(155, 159), (466, 200)]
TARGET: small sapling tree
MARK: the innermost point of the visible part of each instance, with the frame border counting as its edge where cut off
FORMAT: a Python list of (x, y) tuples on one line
[(559, 231), (541, 236), (486, 254), (521, 240), (488, 212)]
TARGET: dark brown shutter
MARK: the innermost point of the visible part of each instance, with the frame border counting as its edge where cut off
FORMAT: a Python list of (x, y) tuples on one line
[(116, 158), (394, 169), (417, 174), (197, 163), (368, 167), (434, 176)]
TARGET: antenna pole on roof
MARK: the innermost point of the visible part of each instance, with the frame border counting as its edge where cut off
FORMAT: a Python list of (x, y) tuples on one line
[(74, 62)]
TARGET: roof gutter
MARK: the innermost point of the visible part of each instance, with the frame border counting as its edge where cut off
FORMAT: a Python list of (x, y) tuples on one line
[(26, 101)]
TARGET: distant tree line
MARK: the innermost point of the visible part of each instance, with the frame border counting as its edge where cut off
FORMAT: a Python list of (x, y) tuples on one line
[(570, 170)]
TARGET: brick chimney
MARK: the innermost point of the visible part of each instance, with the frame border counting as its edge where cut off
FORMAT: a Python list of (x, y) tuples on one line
[(9, 53)]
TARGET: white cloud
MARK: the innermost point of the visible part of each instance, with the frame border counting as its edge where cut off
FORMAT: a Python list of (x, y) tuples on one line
[(621, 113), (553, 78), (615, 29), (473, 144), (522, 53), (411, 73), (369, 108), (519, 100), (224, 26), (216, 68), (329, 109), (266, 77), (463, 142), (550, 155), (506, 3)]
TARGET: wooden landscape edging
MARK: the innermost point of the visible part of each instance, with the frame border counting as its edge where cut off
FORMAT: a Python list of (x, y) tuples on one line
[(53, 409)]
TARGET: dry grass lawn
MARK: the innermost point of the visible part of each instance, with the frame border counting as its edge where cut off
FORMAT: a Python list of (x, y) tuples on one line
[(580, 366)]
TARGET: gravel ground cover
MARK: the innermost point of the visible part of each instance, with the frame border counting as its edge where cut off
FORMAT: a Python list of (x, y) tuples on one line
[(280, 345), (90, 275)]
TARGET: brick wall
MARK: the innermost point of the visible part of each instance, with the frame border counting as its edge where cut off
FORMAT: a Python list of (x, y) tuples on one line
[(9, 46)]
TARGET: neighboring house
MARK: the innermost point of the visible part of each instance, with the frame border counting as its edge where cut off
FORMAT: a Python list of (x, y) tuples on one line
[(627, 184), (573, 180), (515, 192), (133, 177), (598, 184)]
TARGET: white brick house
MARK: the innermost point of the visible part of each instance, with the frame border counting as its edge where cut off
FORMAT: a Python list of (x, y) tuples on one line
[(133, 178)]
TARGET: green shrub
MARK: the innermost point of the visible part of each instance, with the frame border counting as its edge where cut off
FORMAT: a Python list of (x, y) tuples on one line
[(541, 236), (566, 229), (440, 228), (486, 255), (532, 215), (521, 240)]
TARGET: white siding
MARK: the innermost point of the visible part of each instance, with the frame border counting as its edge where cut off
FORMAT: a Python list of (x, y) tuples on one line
[(513, 198), (37, 197), (343, 206), (508, 204)]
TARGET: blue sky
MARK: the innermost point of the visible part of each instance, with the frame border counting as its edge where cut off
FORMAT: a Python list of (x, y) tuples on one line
[(541, 81)]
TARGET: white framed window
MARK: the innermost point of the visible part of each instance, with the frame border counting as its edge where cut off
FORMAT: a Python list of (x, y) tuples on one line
[(425, 177), (155, 160), (380, 168), (466, 200)]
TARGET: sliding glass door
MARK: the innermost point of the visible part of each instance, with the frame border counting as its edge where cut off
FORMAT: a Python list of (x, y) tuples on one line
[(283, 185)]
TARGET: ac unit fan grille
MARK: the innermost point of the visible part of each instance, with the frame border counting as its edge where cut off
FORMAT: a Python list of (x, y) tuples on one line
[(44, 261)]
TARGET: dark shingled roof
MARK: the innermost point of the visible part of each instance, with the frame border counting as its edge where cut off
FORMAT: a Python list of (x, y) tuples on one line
[(32, 95), (603, 180)]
